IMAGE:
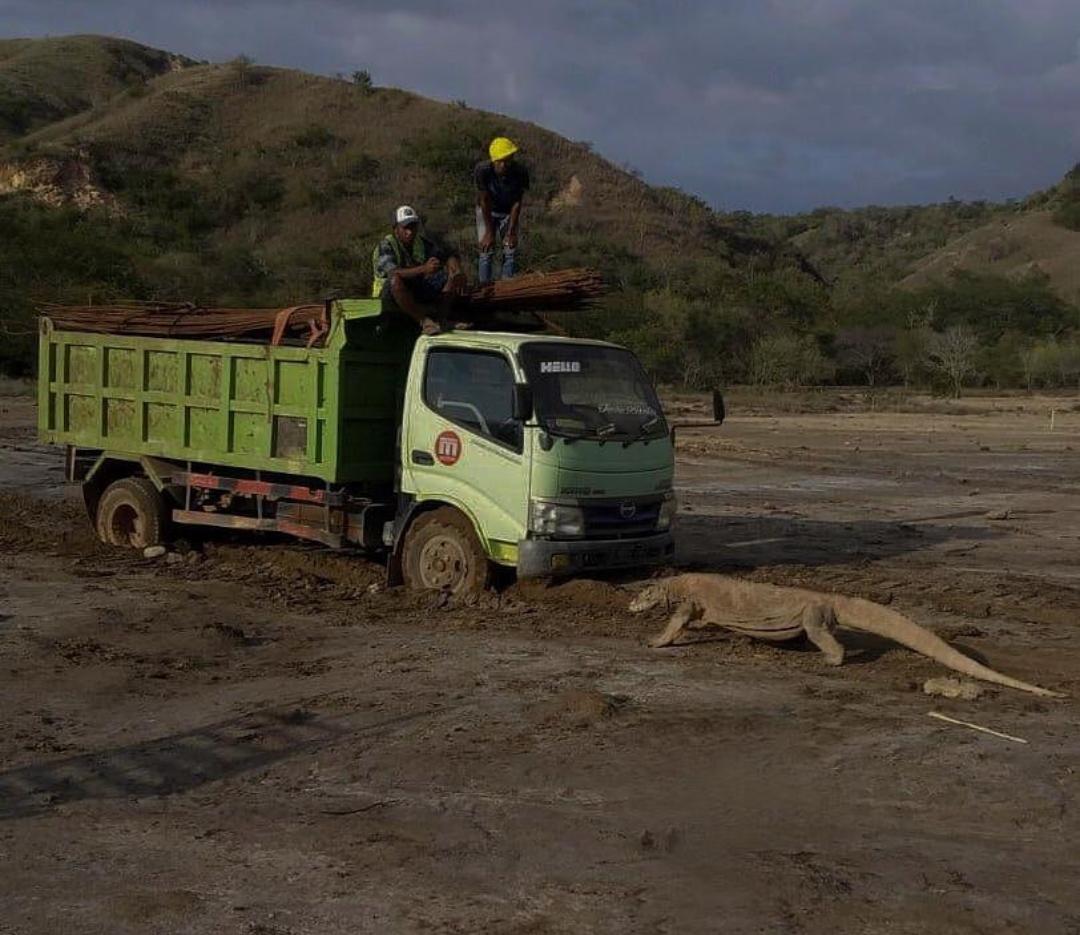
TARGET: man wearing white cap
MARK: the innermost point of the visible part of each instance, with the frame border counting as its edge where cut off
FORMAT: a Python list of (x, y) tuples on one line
[(412, 273)]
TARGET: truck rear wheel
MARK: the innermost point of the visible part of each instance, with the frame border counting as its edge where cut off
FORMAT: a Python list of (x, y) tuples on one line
[(442, 553), (131, 513)]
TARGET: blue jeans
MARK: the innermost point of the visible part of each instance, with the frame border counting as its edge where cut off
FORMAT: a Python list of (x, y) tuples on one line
[(502, 227)]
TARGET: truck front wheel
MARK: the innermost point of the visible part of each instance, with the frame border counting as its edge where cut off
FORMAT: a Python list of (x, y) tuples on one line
[(131, 513), (441, 552)]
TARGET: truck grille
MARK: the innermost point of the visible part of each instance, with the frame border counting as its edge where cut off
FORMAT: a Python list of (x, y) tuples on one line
[(617, 519)]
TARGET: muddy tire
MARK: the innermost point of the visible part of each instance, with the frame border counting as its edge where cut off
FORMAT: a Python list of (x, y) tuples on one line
[(443, 553), (131, 513)]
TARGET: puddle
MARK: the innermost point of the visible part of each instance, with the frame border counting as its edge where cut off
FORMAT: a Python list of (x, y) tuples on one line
[(32, 468)]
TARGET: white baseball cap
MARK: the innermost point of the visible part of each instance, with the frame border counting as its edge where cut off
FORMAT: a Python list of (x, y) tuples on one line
[(406, 214)]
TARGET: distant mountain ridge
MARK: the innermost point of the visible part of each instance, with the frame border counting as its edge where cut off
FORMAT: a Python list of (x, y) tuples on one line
[(131, 171), (339, 154), (915, 245), (239, 184), (78, 96)]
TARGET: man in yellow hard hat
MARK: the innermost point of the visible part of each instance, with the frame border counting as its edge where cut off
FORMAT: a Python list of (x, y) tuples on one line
[(501, 183)]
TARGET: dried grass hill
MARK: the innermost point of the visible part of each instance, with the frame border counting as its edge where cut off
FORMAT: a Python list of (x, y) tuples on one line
[(130, 171)]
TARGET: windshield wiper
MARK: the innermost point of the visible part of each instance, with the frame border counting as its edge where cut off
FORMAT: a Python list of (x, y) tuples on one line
[(642, 432), (601, 432)]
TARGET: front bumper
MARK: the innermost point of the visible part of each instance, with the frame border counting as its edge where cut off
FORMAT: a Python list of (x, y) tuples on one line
[(543, 558)]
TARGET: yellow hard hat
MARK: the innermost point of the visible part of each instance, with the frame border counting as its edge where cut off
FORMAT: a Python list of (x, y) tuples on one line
[(501, 148)]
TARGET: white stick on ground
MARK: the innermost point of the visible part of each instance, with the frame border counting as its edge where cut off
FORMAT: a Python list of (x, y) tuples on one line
[(985, 730)]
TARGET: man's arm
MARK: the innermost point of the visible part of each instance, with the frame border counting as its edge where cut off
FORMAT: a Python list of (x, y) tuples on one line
[(431, 265), (515, 211), (483, 202), (483, 199), (387, 265), (512, 227), (456, 283)]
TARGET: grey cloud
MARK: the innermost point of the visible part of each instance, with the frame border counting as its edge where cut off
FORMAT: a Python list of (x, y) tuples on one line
[(761, 104)]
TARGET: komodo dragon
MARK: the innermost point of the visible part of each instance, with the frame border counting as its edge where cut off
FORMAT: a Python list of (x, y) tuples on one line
[(775, 613)]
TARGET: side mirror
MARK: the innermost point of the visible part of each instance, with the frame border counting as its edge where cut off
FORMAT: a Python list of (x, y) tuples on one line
[(523, 402), (718, 408)]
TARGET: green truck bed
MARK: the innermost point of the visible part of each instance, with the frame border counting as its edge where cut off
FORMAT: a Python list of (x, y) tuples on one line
[(327, 412)]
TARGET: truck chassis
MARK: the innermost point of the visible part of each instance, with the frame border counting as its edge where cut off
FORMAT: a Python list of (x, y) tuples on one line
[(232, 498)]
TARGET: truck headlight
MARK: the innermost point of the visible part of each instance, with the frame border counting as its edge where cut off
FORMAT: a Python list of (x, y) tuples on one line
[(556, 519), (666, 516)]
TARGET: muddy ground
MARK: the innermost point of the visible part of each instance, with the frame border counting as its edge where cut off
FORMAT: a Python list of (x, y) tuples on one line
[(254, 740)]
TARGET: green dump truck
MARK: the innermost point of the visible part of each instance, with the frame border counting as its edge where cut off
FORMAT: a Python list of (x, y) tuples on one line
[(447, 453)]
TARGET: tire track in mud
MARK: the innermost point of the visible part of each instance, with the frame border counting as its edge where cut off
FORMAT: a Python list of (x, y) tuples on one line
[(179, 763)]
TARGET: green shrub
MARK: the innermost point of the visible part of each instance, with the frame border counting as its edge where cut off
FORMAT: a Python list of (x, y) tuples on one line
[(254, 190), (56, 255), (317, 137), (789, 360), (16, 115), (1052, 363), (1068, 215), (361, 168), (450, 151)]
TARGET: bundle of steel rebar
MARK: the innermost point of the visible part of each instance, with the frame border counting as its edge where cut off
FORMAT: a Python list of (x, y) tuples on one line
[(562, 290), (182, 320)]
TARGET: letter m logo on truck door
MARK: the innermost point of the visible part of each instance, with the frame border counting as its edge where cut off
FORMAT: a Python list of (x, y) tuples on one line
[(448, 448)]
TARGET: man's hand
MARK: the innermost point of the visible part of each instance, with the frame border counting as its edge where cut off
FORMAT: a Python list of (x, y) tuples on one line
[(456, 284), (432, 266), (511, 240), (430, 326), (488, 240)]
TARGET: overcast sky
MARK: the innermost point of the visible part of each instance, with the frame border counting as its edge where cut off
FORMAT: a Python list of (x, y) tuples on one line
[(768, 105)]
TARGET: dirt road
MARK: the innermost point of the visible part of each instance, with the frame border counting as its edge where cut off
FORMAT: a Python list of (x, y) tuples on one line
[(255, 740)]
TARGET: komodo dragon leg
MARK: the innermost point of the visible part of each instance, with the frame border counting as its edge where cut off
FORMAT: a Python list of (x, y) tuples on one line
[(684, 613), (819, 622)]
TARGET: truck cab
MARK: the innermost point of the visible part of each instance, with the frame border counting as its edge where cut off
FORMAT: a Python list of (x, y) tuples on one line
[(555, 450)]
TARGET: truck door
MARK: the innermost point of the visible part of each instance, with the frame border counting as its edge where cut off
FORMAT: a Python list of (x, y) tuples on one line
[(462, 444)]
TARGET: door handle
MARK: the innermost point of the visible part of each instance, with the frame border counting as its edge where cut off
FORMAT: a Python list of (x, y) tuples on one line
[(422, 457)]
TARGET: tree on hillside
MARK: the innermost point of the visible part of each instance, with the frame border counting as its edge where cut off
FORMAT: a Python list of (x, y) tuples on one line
[(56, 255), (1067, 213), (1001, 363), (868, 350), (362, 79), (990, 305), (788, 360), (240, 69), (952, 353), (1052, 363), (912, 353)]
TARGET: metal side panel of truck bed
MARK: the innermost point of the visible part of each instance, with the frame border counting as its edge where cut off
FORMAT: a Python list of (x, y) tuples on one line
[(326, 412)]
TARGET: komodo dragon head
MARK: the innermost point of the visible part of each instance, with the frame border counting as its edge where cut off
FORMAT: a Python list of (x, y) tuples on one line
[(653, 596)]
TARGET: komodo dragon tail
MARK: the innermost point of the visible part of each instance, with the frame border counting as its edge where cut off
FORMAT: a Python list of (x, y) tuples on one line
[(858, 614)]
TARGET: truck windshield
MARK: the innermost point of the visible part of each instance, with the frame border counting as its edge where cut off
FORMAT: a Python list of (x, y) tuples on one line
[(587, 391)]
